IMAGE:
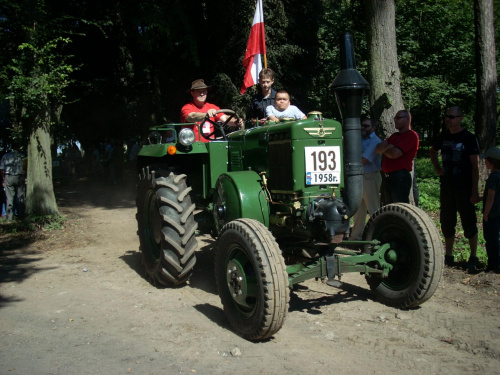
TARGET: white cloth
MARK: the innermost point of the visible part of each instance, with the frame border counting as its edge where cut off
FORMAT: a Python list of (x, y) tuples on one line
[(292, 112)]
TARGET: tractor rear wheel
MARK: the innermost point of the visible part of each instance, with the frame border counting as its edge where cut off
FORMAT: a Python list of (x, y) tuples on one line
[(251, 279), (419, 255), (165, 217)]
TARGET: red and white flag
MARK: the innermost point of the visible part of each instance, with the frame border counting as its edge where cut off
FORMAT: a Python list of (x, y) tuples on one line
[(256, 46)]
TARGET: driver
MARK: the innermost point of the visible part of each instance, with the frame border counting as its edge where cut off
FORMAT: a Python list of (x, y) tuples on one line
[(198, 108)]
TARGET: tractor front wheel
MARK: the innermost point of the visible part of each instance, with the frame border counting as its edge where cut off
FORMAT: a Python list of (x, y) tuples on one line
[(416, 243), (251, 279)]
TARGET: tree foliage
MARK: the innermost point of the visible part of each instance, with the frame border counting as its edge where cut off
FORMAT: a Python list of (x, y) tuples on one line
[(138, 58)]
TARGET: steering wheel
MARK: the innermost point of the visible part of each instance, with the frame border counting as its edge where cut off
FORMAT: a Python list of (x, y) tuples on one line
[(220, 128)]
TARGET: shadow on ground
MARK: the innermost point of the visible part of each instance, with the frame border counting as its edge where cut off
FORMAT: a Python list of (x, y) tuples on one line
[(17, 265), (300, 297), (95, 193)]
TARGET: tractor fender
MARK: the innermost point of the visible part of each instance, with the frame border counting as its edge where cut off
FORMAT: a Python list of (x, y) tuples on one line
[(238, 195)]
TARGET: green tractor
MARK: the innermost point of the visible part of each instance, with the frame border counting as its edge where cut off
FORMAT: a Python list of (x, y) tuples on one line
[(279, 199)]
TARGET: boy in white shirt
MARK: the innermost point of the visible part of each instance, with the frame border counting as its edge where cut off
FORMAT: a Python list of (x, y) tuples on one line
[(283, 109)]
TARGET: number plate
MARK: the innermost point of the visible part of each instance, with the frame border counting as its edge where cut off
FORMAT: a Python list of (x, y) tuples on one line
[(323, 165)]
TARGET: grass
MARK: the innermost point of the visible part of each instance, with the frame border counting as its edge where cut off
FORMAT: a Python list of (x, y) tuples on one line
[(33, 223), (428, 187)]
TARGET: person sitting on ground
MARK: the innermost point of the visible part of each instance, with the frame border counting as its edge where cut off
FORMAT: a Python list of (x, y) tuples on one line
[(198, 108), (283, 109)]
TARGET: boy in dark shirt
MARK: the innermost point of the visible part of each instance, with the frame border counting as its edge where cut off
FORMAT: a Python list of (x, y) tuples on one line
[(264, 99), (491, 209)]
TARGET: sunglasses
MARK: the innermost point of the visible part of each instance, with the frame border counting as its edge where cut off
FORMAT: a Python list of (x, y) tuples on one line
[(451, 117)]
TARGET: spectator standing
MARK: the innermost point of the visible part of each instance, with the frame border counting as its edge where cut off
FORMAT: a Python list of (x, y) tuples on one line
[(132, 156), (371, 177), (491, 209), (263, 99), (3, 197), (77, 159), (13, 169), (398, 152), (115, 162), (459, 177), (97, 169)]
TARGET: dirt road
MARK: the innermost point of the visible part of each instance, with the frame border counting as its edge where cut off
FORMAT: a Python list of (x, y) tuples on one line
[(77, 302)]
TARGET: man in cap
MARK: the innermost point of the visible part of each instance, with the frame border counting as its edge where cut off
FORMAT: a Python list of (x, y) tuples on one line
[(459, 177), (198, 108)]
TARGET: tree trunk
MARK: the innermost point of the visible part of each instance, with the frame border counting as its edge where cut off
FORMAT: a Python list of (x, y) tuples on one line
[(383, 69), (486, 73), (486, 78), (40, 198)]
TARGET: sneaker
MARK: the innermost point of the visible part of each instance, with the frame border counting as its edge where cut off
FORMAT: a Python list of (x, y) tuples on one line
[(472, 265), (449, 260)]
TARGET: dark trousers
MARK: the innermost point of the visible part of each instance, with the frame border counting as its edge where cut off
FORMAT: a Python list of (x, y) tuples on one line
[(455, 199), (491, 232), (397, 186), (15, 186)]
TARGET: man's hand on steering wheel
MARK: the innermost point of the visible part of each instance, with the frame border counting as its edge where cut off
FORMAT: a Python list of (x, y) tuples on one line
[(221, 126)]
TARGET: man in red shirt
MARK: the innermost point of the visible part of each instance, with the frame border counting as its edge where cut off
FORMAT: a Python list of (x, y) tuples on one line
[(399, 150), (196, 110)]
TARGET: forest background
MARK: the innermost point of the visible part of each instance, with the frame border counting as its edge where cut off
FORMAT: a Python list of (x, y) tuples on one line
[(96, 71), (126, 65)]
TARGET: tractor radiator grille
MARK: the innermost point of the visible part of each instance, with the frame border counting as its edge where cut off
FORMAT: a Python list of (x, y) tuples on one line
[(280, 162), (235, 160)]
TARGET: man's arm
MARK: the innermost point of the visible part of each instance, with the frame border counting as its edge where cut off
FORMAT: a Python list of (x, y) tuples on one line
[(236, 123), (388, 150), (200, 116), (435, 162), (474, 160)]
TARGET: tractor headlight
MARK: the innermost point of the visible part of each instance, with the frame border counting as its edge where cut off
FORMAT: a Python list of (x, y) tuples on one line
[(186, 137)]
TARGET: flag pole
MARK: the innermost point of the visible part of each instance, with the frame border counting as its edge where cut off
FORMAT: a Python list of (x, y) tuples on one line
[(256, 48), (264, 32)]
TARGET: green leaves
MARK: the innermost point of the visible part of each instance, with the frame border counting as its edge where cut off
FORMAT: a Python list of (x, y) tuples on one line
[(40, 76)]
